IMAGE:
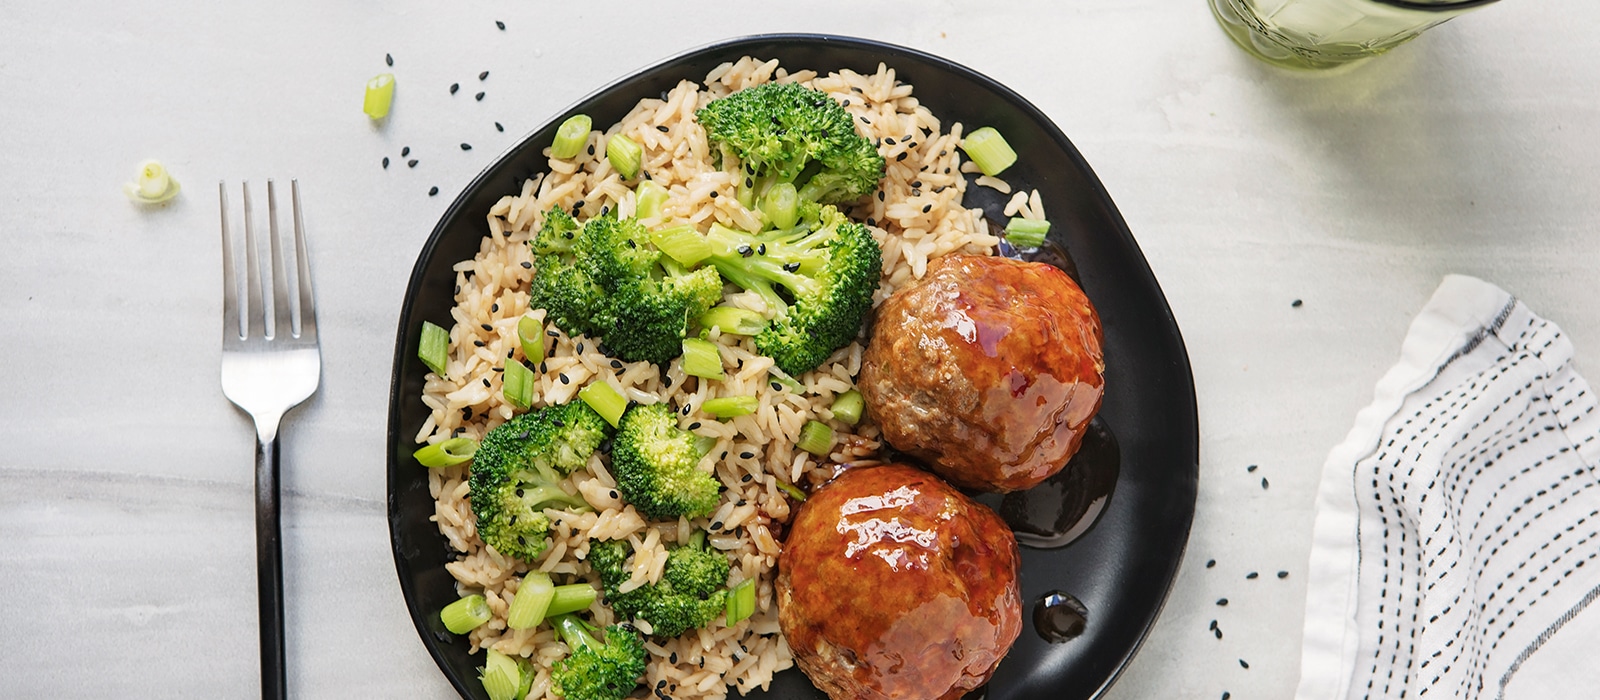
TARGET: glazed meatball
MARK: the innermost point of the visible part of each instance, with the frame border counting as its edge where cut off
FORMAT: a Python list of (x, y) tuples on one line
[(988, 368), (893, 584)]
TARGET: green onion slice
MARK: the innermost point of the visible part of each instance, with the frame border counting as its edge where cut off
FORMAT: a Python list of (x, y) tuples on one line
[(683, 243), (1027, 233), (530, 333), (793, 491), (153, 186), (517, 384), (989, 150), (733, 320), (380, 95), (741, 601), (571, 598), (501, 676), (447, 453), (605, 401), (624, 155), (525, 667), (465, 615), (434, 347), (781, 204), (702, 359), (847, 407), (730, 406), (648, 198), (783, 379), (816, 437), (531, 602), (571, 136)]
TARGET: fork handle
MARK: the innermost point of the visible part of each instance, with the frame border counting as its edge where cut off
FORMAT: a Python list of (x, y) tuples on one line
[(269, 570)]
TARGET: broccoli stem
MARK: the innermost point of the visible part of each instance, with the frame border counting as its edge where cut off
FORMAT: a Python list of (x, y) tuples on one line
[(552, 494), (697, 540), (575, 632), (739, 257)]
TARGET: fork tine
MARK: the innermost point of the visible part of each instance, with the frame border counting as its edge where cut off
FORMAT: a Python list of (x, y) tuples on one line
[(282, 320), (254, 309), (308, 306), (231, 327)]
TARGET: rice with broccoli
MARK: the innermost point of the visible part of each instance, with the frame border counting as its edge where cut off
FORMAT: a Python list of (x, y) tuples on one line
[(674, 508)]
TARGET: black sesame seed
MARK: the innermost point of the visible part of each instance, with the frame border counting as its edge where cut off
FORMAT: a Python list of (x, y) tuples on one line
[(486, 326), (695, 425), (761, 249), (1243, 664), (889, 140), (749, 182), (716, 525), (1296, 303), (564, 379), (433, 191), (686, 409), (458, 289), (1283, 574), (871, 221), (544, 368), (662, 128), (713, 194), (916, 183), (388, 58), (1252, 576), (580, 348), (454, 87), (478, 97), (865, 120), (777, 387), (411, 163), (745, 251), (386, 162), (527, 265), (468, 146), (791, 267), (494, 307), (553, 333), (497, 127), (666, 382), (501, 25), (1210, 563), (746, 478), (478, 343), (1263, 483), (486, 381), (1222, 602), (405, 151), (927, 208), (613, 493), (747, 455), (900, 157), (1226, 695), (1213, 625), (1217, 632), (558, 422), (484, 75), (616, 364), (1250, 468), (591, 149), (497, 369), (880, 195)]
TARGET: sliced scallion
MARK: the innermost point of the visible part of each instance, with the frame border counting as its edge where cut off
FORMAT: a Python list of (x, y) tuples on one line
[(531, 602), (517, 384), (793, 491), (732, 319), (605, 401), (446, 453), (380, 95), (624, 155), (682, 243), (524, 667), (153, 186), (702, 359), (730, 406), (434, 347), (648, 198), (786, 381), (530, 334), (571, 598), (816, 437), (781, 205), (989, 150), (847, 407), (501, 676), (465, 615), (1027, 233), (571, 136), (741, 601)]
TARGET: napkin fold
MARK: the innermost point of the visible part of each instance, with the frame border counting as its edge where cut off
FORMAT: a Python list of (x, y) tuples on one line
[(1458, 525)]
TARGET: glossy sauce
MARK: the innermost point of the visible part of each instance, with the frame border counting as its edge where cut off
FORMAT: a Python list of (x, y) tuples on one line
[(1059, 617), (1064, 507)]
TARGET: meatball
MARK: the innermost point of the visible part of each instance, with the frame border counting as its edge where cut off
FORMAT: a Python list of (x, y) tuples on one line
[(988, 368), (893, 584)]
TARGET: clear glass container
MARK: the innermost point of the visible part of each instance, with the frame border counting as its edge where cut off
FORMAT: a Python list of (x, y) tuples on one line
[(1316, 34)]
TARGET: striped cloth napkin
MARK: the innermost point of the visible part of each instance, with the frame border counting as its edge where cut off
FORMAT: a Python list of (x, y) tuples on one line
[(1458, 524)]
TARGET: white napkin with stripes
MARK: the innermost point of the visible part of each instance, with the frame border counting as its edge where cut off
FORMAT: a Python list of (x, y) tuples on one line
[(1458, 525)]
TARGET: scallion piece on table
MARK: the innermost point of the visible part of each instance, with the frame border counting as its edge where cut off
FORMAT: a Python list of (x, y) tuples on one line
[(730, 406), (605, 401), (734, 320), (571, 598), (624, 155), (682, 243), (793, 491), (530, 334), (517, 384), (434, 347), (847, 407), (989, 150), (571, 136), (531, 602), (816, 438), (446, 453), (501, 676), (1027, 233), (380, 95), (465, 615), (783, 379), (153, 186), (702, 359), (648, 198), (781, 204), (741, 601)]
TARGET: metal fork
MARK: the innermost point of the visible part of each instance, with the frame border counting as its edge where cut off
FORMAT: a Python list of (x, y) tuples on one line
[(270, 363)]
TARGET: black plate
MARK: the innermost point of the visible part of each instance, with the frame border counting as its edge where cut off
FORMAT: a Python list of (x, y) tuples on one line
[(1121, 569)]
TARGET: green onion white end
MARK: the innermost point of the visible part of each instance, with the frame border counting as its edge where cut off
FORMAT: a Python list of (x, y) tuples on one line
[(625, 155), (989, 150), (571, 136), (465, 615), (446, 453), (379, 96), (153, 185)]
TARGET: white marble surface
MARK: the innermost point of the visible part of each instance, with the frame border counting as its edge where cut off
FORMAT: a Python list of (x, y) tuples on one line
[(126, 564)]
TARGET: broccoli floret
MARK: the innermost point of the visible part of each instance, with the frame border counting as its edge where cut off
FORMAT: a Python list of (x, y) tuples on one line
[(782, 132), (606, 281), (656, 465), (596, 670), (516, 472), (819, 278), (689, 595)]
